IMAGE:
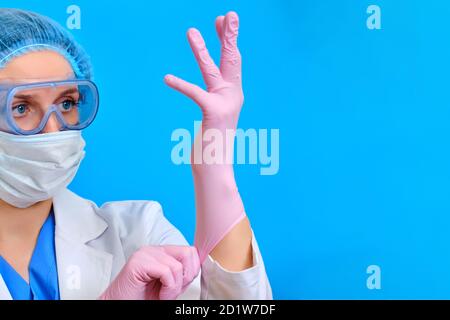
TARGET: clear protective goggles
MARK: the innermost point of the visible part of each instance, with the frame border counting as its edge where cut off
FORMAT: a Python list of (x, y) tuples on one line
[(26, 108)]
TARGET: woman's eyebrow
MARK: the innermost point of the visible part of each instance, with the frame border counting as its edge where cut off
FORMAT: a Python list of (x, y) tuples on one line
[(24, 96), (69, 91)]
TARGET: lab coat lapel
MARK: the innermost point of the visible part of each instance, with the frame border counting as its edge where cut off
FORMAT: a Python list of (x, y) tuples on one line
[(84, 272), (4, 292)]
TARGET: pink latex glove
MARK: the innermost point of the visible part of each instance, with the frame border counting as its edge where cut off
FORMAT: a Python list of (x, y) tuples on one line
[(219, 205), (155, 273)]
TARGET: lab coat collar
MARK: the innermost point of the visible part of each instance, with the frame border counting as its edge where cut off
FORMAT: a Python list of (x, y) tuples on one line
[(84, 271), (76, 217)]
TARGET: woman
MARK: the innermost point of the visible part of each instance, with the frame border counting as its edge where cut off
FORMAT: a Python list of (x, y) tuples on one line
[(57, 245)]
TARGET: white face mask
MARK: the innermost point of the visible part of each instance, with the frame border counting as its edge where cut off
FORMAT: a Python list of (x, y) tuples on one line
[(34, 168)]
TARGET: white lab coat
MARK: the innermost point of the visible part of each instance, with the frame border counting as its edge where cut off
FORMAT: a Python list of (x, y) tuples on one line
[(93, 244)]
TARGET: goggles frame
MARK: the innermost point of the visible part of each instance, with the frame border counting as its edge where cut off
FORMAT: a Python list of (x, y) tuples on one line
[(11, 89)]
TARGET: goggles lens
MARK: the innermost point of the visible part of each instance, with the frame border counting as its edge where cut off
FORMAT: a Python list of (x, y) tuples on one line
[(73, 103)]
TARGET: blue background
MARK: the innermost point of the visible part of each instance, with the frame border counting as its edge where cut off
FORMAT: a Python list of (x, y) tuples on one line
[(364, 137)]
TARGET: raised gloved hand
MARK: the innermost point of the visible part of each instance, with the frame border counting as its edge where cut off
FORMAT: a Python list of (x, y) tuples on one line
[(155, 273), (219, 205)]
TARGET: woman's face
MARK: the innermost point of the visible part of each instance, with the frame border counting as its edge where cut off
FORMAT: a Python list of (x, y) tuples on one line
[(35, 67)]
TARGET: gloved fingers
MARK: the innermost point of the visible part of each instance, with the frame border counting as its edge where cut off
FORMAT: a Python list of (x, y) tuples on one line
[(148, 264), (171, 290), (162, 273), (219, 27), (230, 60), (188, 256), (188, 89), (210, 72), (152, 290)]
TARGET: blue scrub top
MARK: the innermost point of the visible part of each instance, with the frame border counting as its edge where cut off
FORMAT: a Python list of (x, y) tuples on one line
[(43, 275)]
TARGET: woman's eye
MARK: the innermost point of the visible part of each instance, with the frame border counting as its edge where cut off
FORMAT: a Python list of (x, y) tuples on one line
[(20, 110), (67, 105)]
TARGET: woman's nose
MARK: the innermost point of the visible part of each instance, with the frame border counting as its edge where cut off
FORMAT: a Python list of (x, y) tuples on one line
[(52, 124)]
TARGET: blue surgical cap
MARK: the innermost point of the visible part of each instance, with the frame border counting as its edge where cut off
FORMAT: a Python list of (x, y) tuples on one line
[(25, 31)]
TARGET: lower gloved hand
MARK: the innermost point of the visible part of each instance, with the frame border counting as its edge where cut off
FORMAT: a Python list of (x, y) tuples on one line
[(155, 273)]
